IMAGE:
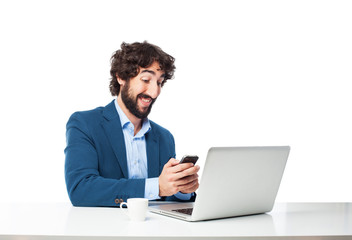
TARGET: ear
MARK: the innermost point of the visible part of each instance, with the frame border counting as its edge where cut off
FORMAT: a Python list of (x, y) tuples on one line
[(120, 81)]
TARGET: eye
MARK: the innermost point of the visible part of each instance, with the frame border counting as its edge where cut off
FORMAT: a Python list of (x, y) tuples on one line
[(145, 80)]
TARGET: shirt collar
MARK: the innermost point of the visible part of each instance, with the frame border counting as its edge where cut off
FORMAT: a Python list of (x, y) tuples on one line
[(126, 123)]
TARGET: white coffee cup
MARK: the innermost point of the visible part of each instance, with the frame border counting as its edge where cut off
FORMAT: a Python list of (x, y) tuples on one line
[(137, 208)]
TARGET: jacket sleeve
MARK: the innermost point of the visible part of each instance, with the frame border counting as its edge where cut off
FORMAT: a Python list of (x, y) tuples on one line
[(84, 184)]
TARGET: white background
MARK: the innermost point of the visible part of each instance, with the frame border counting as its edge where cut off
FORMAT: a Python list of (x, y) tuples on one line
[(248, 73)]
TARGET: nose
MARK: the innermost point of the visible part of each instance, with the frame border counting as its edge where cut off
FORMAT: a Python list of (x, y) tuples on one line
[(154, 90)]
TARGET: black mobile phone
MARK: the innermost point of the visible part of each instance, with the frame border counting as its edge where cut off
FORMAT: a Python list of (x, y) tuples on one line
[(189, 158)]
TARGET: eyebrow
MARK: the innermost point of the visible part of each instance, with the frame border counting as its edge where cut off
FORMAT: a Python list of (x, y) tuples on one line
[(152, 72)]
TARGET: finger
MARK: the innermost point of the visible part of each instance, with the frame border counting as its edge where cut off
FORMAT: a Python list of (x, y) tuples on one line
[(182, 167), (172, 162), (187, 172), (186, 180), (190, 187)]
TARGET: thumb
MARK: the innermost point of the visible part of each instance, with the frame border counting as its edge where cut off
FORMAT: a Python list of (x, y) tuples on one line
[(173, 162)]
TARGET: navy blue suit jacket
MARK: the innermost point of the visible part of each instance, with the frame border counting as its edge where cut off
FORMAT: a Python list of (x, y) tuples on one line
[(96, 166)]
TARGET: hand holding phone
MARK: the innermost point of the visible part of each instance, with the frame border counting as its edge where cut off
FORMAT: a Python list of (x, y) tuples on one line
[(189, 159), (179, 178)]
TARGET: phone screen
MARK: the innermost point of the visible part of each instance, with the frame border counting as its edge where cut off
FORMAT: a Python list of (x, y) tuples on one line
[(189, 158)]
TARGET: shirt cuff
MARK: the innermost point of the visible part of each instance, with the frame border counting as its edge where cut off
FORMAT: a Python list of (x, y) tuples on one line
[(183, 196), (151, 191)]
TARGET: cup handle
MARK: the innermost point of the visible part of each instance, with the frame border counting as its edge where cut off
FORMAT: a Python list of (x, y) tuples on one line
[(125, 211)]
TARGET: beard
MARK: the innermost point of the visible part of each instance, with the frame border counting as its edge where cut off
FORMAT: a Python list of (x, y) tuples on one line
[(131, 103)]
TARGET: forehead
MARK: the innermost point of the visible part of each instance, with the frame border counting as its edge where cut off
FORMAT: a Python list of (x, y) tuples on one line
[(154, 68)]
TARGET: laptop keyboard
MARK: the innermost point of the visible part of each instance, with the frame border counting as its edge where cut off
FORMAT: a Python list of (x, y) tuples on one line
[(187, 211)]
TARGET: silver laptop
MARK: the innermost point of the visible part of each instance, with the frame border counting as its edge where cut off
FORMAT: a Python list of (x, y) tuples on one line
[(236, 181)]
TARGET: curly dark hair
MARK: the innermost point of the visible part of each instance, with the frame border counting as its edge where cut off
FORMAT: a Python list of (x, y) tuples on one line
[(125, 63)]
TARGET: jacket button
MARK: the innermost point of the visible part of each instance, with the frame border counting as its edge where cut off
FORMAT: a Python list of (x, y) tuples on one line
[(117, 201), (121, 200)]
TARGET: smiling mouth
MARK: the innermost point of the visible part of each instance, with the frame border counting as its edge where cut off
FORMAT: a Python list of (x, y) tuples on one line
[(146, 99)]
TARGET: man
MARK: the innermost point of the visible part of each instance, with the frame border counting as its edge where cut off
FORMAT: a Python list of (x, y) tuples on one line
[(115, 152)]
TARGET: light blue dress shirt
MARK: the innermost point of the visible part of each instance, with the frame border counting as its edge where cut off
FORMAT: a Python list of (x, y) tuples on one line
[(136, 152)]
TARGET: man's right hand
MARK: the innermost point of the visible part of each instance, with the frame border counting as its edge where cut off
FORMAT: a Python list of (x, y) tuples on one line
[(177, 177)]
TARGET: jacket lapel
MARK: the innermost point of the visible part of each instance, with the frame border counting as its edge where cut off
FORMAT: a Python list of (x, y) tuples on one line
[(113, 130), (152, 142)]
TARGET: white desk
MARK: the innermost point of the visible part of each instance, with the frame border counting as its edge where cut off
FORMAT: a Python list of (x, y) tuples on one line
[(63, 221)]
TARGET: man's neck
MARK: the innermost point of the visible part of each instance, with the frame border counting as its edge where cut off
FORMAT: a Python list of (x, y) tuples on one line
[(137, 122)]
